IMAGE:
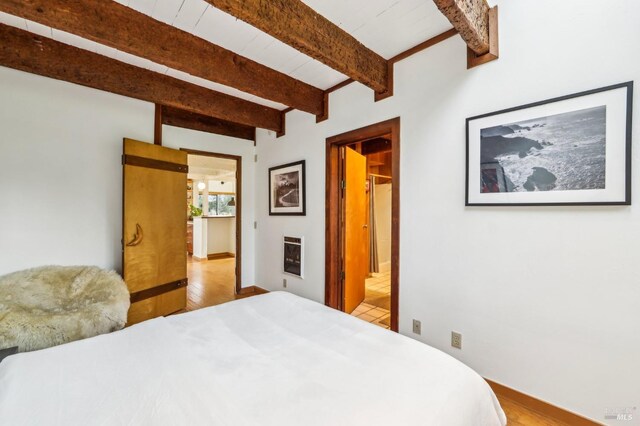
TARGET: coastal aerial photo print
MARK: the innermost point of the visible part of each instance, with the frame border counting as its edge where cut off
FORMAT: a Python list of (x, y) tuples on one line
[(554, 153)]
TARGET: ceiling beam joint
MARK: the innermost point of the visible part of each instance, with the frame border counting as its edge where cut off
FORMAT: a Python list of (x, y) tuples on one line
[(477, 24)]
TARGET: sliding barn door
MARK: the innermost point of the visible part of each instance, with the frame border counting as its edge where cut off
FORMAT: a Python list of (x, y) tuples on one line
[(154, 229), (356, 233)]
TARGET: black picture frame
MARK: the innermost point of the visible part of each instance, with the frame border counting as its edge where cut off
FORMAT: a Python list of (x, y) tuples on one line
[(617, 121), (292, 175)]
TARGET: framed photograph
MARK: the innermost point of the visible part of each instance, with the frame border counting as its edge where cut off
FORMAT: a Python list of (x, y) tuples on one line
[(287, 189), (573, 150)]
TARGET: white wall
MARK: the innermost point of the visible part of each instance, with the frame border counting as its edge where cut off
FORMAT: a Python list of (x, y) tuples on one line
[(546, 298), (61, 172)]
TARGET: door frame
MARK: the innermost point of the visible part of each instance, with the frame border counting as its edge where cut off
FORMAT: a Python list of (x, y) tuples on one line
[(238, 158), (333, 242)]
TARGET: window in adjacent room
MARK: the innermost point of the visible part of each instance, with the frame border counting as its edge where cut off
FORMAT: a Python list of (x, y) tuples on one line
[(220, 204)]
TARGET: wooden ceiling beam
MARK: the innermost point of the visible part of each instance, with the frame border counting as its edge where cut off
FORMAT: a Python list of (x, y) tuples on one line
[(299, 26), (112, 24), (157, 125), (35, 54), (473, 59), (471, 19), (189, 120)]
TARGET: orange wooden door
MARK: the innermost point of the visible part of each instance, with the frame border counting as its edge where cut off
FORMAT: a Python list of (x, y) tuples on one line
[(356, 232), (154, 229)]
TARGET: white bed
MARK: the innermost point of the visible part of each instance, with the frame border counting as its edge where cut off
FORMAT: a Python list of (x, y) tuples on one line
[(275, 359)]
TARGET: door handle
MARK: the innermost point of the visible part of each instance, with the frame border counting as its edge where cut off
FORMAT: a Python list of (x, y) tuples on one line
[(137, 237), (365, 226)]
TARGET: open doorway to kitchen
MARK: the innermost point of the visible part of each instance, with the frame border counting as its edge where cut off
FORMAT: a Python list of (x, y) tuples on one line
[(362, 223), (214, 205)]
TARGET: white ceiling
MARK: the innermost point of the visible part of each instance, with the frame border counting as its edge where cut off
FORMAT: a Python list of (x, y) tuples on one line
[(205, 167), (387, 27)]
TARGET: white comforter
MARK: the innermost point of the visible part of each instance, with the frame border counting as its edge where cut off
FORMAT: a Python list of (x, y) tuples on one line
[(274, 359)]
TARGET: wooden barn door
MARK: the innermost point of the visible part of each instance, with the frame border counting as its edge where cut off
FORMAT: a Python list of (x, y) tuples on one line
[(356, 232), (154, 229)]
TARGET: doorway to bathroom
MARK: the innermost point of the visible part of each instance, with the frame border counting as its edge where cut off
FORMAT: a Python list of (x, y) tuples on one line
[(362, 217)]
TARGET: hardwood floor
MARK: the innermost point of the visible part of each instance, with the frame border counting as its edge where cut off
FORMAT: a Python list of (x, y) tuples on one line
[(212, 282), (519, 415), (523, 409)]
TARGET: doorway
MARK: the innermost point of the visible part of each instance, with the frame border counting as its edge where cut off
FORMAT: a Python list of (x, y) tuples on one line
[(362, 265), (213, 238)]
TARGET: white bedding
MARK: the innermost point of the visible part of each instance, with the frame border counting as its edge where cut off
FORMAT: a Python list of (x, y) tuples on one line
[(274, 359)]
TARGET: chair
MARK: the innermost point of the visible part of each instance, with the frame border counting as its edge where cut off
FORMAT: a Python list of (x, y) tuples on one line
[(52, 305)]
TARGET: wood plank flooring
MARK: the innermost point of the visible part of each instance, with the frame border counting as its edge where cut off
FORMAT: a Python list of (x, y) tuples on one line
[(519, 415), (211, 283)]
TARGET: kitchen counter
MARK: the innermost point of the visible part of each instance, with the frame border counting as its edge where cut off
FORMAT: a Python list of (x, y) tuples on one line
[(214, 238)]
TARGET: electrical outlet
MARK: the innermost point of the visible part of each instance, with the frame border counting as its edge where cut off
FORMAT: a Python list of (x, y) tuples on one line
[(456, 340), (284, 282), (417, 326)]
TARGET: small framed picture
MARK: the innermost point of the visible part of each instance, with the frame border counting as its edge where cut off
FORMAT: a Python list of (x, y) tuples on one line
[(287, 189), (573, 150)]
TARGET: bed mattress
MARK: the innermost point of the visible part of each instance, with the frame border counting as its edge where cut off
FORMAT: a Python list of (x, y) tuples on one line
[(274, 359)]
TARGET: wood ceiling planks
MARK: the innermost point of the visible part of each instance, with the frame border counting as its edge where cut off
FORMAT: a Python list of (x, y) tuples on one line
[(117, 26), (25, 51), (104, 25), (296, 24)]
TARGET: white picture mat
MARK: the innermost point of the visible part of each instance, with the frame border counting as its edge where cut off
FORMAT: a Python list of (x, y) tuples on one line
[(272, 181), (615, 176)]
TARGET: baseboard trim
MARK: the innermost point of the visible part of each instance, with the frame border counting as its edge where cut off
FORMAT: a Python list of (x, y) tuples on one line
[(540, 406), (224, 255), (253, 289)]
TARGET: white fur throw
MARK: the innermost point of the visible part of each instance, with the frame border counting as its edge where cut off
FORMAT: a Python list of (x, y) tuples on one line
[(51, 305)]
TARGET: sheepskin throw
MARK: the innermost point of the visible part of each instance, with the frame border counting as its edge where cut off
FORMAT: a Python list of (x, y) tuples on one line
[(51, 305)]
